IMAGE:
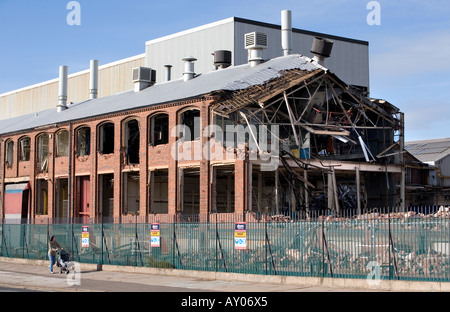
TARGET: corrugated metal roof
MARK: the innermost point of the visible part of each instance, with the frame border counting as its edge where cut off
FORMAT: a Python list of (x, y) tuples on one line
[(231, 79), (429, 150)]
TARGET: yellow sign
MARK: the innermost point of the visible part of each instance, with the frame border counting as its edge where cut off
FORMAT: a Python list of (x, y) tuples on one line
[(240, 234), (85, 235)]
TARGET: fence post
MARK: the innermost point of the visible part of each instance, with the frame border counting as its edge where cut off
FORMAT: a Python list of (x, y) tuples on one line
[(101, 237), (265, 240), (389, 239), (217, 235)]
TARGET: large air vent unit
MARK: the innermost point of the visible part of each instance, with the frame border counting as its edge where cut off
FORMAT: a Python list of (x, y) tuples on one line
[(255, 40), (143, 77), (255, 43)]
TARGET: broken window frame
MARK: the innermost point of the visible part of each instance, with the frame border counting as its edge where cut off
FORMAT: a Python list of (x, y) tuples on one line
[(159, 129), (42, 154), (62, 143), (131, 142), (83, 139), (42, 192), (135, 210), (159, 191), (24, 149), (9, 155), (190, 125), (106, 140)]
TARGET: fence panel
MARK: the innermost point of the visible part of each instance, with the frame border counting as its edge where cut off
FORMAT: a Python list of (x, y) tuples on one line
[(371, 246)]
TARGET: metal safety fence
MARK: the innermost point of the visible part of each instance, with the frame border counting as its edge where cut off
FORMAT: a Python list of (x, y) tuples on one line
[(375, 245)]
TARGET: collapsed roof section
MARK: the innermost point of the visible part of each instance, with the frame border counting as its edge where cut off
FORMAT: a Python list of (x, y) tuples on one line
[(309, 100), (294, 92)]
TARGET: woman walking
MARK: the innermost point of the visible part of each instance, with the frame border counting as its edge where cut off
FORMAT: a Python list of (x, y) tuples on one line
[(53, 246)]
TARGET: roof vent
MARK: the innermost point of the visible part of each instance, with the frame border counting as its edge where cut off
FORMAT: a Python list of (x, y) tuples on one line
[(93, 79), (321, 48), (189, 68), (222, 59), (168, 71), (286, 32), (143, 77), (255, 42), (62, 95)]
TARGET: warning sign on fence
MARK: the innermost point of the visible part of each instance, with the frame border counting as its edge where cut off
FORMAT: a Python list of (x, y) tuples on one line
[(85, 236), (155, 238), (240, 235)]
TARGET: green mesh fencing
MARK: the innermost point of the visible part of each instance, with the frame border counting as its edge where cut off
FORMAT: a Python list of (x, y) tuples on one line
[(395, 249)]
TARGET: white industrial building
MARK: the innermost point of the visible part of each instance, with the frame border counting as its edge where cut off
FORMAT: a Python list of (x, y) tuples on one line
[(349, 60)]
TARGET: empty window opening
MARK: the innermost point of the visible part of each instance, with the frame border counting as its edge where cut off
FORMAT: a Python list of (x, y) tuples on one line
[(62, 198), (62, 143), (190, 191), (227, 130), (107, 138), (131, 193), (106, 195), (42, 152), (24, 149), (223, 195), (159, 129), (191, 121), (83, 198), (9, 153), (42, 197), (131, 141), (159, 191), (84, 141)]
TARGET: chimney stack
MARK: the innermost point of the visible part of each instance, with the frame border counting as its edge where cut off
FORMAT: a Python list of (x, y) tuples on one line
[(62, 96), (189, 68), (286, 32), (93, 82)]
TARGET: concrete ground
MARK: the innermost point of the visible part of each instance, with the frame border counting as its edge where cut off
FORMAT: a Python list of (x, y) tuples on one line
[(35, 275), (38, 277)]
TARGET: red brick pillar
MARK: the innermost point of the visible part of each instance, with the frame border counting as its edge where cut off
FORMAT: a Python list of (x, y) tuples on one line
[(240, 186), (173, 167), (143, 168)]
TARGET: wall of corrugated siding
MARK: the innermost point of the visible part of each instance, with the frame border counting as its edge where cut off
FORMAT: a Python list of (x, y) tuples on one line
[(349, 60), (200, 44), (113, 78)]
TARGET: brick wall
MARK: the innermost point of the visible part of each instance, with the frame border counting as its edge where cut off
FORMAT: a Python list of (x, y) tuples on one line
[(151, 158)]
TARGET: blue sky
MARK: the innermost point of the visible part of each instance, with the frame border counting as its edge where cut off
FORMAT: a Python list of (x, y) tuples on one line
[(409, 51)]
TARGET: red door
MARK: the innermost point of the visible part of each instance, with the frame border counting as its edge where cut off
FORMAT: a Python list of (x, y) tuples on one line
[(85, 199)]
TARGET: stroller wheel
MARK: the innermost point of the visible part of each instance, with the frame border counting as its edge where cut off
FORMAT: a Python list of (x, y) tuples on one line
[(67, 272)]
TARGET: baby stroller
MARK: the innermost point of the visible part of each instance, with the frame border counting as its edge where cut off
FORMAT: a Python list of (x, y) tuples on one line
[(63, 262)]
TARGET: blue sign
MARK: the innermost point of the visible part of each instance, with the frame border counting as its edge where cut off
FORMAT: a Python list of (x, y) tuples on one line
[(240, 226)]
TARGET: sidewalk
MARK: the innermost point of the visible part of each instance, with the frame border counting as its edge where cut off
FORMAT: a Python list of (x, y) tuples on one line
[(34, 274)]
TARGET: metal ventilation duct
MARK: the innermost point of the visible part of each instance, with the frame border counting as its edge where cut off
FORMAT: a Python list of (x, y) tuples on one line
[(321, 48), (286, 32), (143, 77), (62, 95), (168, 72), (189, 68), (93, 80), (222, 59), (255, 43)]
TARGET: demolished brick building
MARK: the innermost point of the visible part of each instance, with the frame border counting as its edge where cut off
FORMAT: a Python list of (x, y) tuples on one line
[(308, 141)]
